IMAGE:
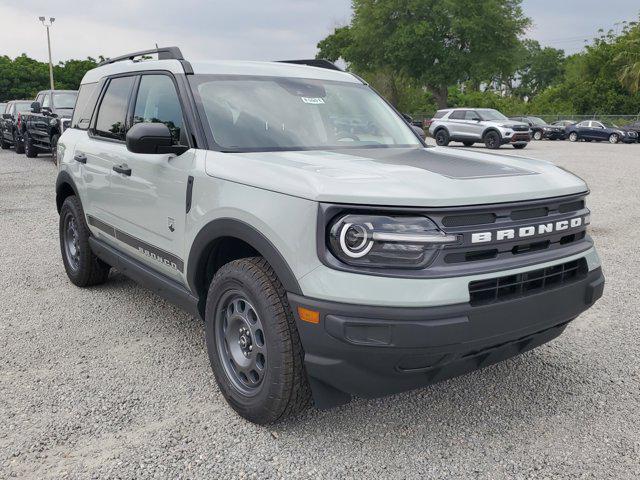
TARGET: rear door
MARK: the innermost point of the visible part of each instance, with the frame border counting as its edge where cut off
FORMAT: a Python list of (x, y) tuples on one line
[(600, 132), (103, 147), (148, 202), (456, 123)]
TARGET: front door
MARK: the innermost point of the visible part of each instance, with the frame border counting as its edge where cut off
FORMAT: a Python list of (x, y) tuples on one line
[(149, 198)]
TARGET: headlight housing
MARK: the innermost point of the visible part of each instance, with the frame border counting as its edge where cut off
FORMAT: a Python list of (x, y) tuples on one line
[(383, 241)]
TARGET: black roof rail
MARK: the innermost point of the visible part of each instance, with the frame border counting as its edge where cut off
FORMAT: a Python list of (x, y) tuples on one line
[(314, 62), (164, 53)]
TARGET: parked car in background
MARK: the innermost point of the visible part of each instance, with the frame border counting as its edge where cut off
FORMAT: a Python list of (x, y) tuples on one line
[(9, 127), (632, 127), (49, 117), (541, 129), (593, 130), (2, 107), (473, 125)]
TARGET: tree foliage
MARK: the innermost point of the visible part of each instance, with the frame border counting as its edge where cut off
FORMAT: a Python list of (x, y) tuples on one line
[(433, 43), (23, 77)]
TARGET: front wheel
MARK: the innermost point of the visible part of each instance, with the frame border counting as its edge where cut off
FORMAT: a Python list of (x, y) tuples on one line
[(3, 143), (18, 143), (253, 343), (442, 138), (54, 149), (614, 138), (492, 140), (29, 148), (537, 135), (573, 137)]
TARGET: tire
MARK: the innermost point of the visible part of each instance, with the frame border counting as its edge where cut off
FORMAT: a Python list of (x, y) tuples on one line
[(614, 138), (83, 268), (537, 135), (519, 147), (248, 316), (29, 148), (3, 143), (54, 148), (442, 138), (468, 144), (573, 137), (18, 144), (492, 140)]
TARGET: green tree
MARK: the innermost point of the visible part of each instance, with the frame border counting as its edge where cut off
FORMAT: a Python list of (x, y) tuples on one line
[(432, 43), (629, 59), (540, 68)]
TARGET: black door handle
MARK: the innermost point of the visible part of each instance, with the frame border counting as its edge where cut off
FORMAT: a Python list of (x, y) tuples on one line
[(123, 169), (80, 157)]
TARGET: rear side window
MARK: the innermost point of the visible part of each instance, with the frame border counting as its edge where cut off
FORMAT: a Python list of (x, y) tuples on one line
[(439, 114), (112, 113), (457, 115), (87, 97), (157, 102)]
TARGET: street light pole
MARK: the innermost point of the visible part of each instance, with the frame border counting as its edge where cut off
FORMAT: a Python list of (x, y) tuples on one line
[(47, 25)]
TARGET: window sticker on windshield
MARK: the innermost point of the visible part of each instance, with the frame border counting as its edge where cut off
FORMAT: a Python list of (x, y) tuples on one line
[(313, 101)]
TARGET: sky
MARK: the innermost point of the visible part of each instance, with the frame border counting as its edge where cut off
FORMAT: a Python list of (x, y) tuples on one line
[(245, 29)]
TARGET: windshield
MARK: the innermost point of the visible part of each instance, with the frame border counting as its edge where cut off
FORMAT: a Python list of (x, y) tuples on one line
[(537, 121), (65, 100), (491, 114), (273, 113), (23, 106), (609, 124)]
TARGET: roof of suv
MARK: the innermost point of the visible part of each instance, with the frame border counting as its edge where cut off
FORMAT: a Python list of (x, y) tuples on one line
[(222, 67)]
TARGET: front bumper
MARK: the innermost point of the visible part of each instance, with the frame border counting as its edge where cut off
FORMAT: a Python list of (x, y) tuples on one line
[(516, 138), (371, 351)]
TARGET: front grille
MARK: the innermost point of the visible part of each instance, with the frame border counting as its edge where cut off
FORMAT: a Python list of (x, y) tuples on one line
[(482, 292), (520, 128)]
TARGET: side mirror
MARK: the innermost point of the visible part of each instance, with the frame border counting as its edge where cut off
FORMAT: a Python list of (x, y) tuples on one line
[(419, 131), (152, 138), (35, 107)]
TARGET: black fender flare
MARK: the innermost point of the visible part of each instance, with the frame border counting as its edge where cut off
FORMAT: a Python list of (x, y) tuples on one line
[(230, 227), (491, 129), (64, 179), (441, 127)]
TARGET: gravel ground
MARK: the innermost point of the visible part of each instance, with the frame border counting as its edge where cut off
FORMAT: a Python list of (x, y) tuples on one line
[(114, 382)]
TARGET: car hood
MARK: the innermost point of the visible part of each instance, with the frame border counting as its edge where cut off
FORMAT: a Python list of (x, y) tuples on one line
[(506, 123), (428, 177)]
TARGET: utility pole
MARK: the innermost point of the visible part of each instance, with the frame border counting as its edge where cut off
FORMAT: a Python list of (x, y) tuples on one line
[(47, 25)]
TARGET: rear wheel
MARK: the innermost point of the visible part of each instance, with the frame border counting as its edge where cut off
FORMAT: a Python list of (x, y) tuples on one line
[(468, 144), (82, 266), (614, 138), (253, 343), (573, 137), (18, 144), (442, 138), (492, 140), (29, 148)]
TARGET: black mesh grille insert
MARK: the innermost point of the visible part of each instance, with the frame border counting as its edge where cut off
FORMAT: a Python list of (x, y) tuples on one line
[(571, 206), (513, 286), (529, 213), (471, 219)]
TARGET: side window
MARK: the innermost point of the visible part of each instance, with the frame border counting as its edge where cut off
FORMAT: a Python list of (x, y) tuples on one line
[(112, 113), (471, 115), (87, 96), (40, 99), (583, 124), (157, 102), (46, 102), (439, 114), (597, 125), (457, 115)]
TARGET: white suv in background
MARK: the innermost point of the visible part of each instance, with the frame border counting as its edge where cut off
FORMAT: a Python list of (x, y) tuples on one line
[(472, 125)]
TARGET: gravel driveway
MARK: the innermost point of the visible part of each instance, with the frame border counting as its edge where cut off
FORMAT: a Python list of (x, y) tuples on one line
[(114, 382)]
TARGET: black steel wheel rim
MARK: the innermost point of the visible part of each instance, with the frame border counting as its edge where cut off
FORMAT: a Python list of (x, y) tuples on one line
[(71, 239), (491, 140), (240, 342)]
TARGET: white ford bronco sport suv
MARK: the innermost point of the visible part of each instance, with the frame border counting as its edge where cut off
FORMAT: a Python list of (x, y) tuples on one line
[(328, 250), (472, 125)]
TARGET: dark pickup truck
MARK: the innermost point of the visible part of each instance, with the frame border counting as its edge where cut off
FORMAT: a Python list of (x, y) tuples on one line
[(50, 115), (10, 124)]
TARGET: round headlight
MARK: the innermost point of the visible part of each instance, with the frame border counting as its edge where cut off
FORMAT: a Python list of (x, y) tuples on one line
[(356, 239)]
